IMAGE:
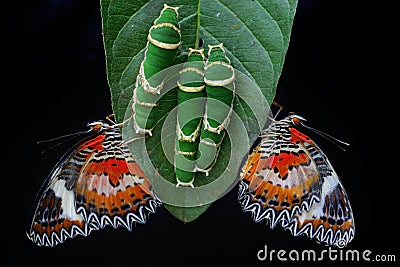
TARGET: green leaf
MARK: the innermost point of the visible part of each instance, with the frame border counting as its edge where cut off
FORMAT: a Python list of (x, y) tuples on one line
[(256, 36), (187, 214)]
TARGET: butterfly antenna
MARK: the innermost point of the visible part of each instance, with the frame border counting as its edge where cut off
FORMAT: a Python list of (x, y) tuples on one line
[(328, 137), (67, 136)]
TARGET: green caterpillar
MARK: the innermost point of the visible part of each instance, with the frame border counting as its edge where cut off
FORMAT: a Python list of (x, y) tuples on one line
[(164, 39), (219, 77), (190, 88)]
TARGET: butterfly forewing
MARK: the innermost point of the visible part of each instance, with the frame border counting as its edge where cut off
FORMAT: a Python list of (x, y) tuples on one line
[(331, 220)]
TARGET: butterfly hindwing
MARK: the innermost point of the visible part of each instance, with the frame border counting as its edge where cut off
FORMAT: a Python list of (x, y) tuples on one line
[(97, 183), (289, 181), (279, 178)]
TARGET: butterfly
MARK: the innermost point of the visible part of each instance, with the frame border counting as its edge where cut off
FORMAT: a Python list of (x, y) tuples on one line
[(288, 181), (95, 184)]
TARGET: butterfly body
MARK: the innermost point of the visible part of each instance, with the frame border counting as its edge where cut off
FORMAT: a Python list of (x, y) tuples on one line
[(289, 181), (97, 183)]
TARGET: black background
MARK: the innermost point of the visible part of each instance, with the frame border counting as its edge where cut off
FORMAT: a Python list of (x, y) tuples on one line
[(338, 74)]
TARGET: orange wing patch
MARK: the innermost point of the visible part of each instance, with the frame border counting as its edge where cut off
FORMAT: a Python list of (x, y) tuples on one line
[(95, 143), (283, 163), (271, 184), (108, 187), (298, 137)]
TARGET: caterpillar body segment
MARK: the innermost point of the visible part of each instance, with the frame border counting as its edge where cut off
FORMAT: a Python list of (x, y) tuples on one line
[(219, 77), (164, 40), (191, 105)]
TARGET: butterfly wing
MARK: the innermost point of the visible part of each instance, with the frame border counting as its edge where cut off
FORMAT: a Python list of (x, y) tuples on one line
[(97, 183), (113, 190), (322, 211), (279, 178), (55, 218), (331, 220)]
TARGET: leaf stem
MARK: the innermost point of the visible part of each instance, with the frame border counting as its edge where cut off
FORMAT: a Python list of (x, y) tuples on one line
[(198, 25)]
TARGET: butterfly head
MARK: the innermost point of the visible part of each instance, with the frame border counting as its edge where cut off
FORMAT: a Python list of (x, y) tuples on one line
[(97, 126), (295, 119)]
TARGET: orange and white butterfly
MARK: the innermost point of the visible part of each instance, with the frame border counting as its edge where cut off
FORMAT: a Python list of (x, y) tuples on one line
[(289, 181), (97, 183)]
